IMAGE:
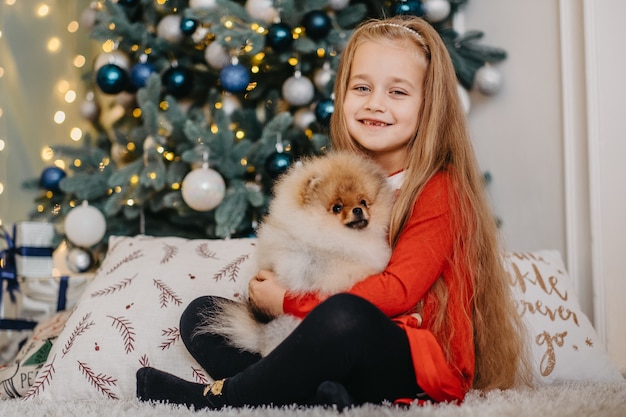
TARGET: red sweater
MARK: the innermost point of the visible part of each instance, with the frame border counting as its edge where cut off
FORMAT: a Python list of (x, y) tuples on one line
[(421, 256)]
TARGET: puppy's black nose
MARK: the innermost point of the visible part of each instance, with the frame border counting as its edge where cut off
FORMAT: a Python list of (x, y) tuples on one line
[(357, 211)]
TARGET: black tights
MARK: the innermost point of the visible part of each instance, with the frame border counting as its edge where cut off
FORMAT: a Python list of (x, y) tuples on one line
[(345, 339)]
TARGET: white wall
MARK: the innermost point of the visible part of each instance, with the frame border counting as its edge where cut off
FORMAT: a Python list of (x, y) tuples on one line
[(553, 139), (606, 87)]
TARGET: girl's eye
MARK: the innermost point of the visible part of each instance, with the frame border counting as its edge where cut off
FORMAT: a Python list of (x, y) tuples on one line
[(361, 88), (364, 203), (337, 208), (398, 93)]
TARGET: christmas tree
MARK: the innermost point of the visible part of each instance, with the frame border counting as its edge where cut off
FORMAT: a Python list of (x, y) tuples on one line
[(198, 105)]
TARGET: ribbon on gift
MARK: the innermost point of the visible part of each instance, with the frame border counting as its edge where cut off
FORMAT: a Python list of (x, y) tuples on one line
[(9, 273), (8, 270)]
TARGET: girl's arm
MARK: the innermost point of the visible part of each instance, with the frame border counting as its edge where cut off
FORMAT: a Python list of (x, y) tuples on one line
[(423, 248)]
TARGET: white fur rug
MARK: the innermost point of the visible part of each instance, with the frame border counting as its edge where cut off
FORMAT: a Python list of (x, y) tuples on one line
[(572, 399)]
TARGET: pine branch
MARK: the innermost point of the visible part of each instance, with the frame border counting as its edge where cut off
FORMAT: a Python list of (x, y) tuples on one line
[(166, 294), (124, 326), (204, 251), (231, 270), (82, 326), (114, 288), (44, 377), (100, 381), (170, 252), (172, 334), (131, 257)]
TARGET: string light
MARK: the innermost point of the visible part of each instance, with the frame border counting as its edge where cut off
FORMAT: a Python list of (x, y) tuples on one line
[(57, 41)]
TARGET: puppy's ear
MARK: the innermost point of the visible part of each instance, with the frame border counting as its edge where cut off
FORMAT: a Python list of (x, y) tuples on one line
[(310, 187)]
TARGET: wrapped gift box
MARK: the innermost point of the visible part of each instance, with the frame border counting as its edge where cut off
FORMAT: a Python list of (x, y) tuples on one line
[(33, 249)]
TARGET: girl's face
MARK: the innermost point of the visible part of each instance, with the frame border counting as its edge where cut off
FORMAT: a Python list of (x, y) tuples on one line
[(384, 99)]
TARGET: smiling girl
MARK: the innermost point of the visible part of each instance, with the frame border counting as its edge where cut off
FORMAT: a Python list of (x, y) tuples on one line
[(439, 320)]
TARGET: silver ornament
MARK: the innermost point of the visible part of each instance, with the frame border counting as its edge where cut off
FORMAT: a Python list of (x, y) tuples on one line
[(488, 80), (338, 4), (202, 4), (78, 260), (298, 90), (303, 118), (115, 57), (262, 10), (169, 28), (322, 77), (436, 10), (216, 55), (89, 109)]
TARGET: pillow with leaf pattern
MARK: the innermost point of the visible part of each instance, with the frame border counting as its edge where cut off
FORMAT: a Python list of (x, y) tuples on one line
[(128, 316)]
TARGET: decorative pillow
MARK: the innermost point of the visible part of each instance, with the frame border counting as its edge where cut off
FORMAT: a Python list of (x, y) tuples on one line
[(128, 316), (564, 344), (18, 375)]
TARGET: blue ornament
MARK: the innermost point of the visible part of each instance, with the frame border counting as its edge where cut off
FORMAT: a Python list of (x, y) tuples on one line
[(324, 110), (409, 7), (277, 163), (188, 26), (317, 24), (140, 73), (234, 78), (279, 37), (111, 79), (178, 81), (51, 177)]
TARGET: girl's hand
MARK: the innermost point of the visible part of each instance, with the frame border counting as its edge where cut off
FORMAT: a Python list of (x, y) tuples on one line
[(266, 295)]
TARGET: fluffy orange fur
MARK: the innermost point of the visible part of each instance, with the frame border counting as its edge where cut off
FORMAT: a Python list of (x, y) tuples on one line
[(442, 143)]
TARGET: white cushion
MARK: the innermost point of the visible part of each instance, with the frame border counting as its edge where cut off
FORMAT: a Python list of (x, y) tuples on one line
[(565, 346), (128, 316)]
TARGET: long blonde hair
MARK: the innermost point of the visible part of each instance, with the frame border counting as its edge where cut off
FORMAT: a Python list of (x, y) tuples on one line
[(442, 143)]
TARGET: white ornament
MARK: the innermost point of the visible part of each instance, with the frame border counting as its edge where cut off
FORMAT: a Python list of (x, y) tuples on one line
[(262, 10), (169, 28), (488, 80), (230, 103), (203, 189), (436, 10), (115, 57), (88, 18), (200, 34), (303, 118), (338, 4), (216, 55), (85, 225), (202, 4), (89, 109), (465, 98), (322, 77), (261, 112), (78, 260), (298, 90)]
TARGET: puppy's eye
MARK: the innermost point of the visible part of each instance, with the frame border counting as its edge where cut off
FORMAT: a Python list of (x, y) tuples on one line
[(364, 203), (337, 208)]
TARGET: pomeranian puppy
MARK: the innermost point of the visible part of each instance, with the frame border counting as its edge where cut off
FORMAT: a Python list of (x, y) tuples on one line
[(326, 229)]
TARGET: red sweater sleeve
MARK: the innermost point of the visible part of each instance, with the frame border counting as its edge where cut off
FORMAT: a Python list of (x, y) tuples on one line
[(418, 259)]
